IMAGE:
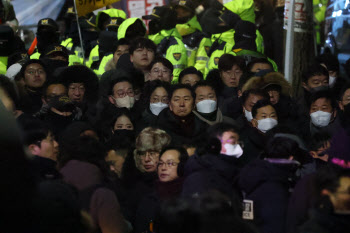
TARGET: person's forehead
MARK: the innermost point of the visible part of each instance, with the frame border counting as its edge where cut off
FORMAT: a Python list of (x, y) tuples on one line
[(56, 88), (229, 134), (76, 84), (34, 66), (160, 91), (204, 90), (158, 65), (170, 155), (123, 47), (182, 92), (266, 109), (191, 77), (322, 101), (123, 120), (122, 85), (254, 97)]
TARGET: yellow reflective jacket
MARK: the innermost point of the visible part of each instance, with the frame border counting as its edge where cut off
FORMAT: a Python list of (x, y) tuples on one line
[(3, 65), (94, 56), (124, 26), (243, 8)]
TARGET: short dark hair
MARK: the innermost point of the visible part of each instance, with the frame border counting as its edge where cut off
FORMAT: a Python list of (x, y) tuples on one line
[(118, 80), (183, 157), (313, 70), (190, 70), (181, 86), (141, 42), (29, 62), (84, 148), (260, 104), (164, 61), (257, 92), (33, 131), (323, 94), (219, 129), (258, 60), (227, 61), (342, 91), (150, 87), (122, 41), (203, 84), (330, 61), (318, 140), (122, 112), (281, 147)]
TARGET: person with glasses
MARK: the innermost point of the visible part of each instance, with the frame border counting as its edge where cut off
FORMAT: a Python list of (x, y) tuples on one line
[(33, 75), (122, 93), (162, 69), (170, 170), (139, 170)]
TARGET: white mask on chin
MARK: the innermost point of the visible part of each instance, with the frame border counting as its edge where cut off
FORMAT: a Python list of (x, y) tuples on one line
[(248, 115), (156, 108), (125, 102), (266, 124), (332, 80), (206, 106)]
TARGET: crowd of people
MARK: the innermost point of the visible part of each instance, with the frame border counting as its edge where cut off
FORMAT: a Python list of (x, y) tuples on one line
[(185, 127)]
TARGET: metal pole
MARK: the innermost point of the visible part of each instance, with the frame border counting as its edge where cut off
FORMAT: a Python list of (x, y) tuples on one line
[(79, 31), (288, 61)]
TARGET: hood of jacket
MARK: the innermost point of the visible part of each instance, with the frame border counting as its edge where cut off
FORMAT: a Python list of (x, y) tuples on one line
[(189, 27), (117, 13), (278, 170), (81, 174), (110, 65), (125, 25)]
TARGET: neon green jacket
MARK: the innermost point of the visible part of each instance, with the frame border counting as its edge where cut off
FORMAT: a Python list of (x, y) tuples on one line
[(243, 8), (124, 26), (74, 58), (112, 13), (102, 66), (3, 65), (188, 29), (176, 52), (94, 56), (320, 7)]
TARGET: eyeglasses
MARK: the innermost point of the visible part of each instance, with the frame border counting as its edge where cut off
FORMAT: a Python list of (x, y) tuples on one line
[(151, 154), (121, 94), (32, 71), (167, 164)]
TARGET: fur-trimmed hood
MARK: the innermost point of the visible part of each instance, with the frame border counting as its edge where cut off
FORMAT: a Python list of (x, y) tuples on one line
[(273, 78), (110, 65)]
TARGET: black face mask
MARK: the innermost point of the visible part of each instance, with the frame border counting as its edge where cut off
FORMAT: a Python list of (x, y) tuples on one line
[(317, 89), (183, 20), (154, 27), (52, 65), (124, 133)]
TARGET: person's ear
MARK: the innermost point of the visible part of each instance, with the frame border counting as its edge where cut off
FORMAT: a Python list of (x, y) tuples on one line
[(34, 149), (43, 100), (291, 157), (239, 93), (305, 86), (131, 58), (335, 113), (325, 192), (341, 106), (313, 154), (112, 100), (254, 123), (170, 106)]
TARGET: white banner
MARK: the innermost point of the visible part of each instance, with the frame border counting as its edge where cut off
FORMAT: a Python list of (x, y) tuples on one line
[(29, 12)]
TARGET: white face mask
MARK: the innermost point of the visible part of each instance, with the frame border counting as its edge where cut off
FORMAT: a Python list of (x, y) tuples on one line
[(266, 124), (248, 115), (206, 106), (332, 80), (156, 108), (233, 150), (320, 118), (125, 102)]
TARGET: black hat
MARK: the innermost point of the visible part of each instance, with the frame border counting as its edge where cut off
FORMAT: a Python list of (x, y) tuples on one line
[(54, 50), (187, 4), (48, 24), (158, 13), (115, 22), (62, 103)]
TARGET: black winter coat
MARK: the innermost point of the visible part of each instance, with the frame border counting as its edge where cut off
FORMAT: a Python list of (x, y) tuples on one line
[(267, 185)]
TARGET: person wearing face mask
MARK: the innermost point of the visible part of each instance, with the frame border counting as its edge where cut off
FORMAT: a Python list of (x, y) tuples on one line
[(155, 98), (254, 138), (323, 114), (55, 56), (315, 78), (122, 94), (214, 166), (206, 105)]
